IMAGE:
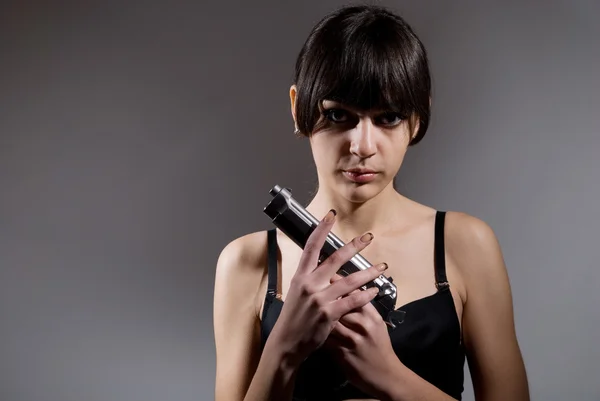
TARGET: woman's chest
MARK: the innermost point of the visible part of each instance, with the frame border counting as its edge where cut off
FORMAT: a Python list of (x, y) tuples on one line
[(411, 266)]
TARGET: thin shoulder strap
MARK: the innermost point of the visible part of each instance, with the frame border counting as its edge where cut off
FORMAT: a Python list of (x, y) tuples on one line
[(441, 281), (272, 255)]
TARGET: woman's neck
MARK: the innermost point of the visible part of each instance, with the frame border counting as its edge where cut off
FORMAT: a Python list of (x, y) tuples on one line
[(377, 215)]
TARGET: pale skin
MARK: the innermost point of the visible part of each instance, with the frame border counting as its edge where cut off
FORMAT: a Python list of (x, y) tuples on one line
[(314, 314)]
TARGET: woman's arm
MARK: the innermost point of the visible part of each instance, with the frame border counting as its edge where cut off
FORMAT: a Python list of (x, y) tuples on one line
[(240, 270), (493, 353)]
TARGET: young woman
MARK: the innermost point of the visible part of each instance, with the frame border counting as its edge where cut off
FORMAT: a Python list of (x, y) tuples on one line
[(287, 329)]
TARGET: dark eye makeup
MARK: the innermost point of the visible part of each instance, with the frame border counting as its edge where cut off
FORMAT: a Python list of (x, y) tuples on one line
[(336, 115), (340, 116)]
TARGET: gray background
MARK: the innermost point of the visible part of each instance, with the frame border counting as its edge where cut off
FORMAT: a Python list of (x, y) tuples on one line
[(138, 138)]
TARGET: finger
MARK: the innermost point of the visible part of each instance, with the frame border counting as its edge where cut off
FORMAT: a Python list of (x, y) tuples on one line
[(333, 340), (370, 312), (337, 277), (342, 306), (337, 259), (334, 278), (354, 281), (355, 321), (342, 336), (314, 243), (362, 319), (336, 345)]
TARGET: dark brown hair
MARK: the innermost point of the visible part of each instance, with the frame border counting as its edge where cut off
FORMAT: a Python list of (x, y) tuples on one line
[(366, 57)]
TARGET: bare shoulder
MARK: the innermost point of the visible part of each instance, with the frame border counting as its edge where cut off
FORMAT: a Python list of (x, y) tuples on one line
[(495, 361), (474, 248), (468, 232), (241, 266), (244, 253), (240, 269)]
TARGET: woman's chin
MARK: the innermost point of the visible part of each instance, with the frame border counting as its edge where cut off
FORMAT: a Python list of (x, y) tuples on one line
[(360, 193)]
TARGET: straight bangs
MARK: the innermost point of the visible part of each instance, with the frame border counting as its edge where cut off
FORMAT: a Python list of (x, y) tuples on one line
[(367, 76)]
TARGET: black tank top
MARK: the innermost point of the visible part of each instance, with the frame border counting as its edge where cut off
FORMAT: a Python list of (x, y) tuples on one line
[(428, 342)]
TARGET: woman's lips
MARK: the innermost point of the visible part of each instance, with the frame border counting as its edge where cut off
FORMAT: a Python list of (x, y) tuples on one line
[(360, 177)]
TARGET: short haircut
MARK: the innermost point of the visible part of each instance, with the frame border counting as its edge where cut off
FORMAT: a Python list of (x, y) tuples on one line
[(366, 57)]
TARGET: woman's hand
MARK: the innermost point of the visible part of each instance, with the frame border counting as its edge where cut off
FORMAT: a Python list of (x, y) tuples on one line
[(361, 344), (314, 304)]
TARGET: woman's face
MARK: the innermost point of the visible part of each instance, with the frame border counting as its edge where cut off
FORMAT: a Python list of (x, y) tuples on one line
[(357, 154)]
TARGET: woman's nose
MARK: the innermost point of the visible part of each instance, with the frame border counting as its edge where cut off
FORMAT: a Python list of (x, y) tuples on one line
[(362, 140)]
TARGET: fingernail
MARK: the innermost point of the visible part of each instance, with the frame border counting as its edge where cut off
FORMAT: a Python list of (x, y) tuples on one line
[(330, 216), (366, 238), (382, 267)]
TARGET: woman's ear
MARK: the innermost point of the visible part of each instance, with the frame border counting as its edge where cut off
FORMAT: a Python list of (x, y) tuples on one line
[(293, 93), (413, 126)]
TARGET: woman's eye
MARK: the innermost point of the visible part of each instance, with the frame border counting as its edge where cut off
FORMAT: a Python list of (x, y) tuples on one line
[(390, 118), (336, 115)]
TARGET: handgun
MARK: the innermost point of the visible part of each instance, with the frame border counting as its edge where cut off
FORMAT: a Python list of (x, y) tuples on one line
[(297, 223)]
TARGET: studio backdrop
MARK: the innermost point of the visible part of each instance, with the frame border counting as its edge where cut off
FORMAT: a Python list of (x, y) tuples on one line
[(138, 138)]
